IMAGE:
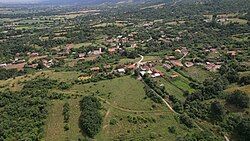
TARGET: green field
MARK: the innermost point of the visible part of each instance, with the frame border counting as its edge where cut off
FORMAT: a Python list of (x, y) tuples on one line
[(180, 82), (121, 97), (198, 73)]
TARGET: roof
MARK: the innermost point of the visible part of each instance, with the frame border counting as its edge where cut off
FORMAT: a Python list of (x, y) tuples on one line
[(131, 66), (189, 64), (95, 69), (142, 73), (167, 66), (176, 63), (122, 70), (156, 75), (174, 75)]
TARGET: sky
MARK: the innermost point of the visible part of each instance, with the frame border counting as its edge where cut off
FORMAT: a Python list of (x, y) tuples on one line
[(17, 1)]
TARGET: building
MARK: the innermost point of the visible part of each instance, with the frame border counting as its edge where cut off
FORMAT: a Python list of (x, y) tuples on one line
[(189, 64), (95, 69), (232, 53), (176, 63), (212, 67), (174, 75), (121, 70), (156, 75), (3, 65), (97, 52), (167, 66), (112, 50), (81, 55)]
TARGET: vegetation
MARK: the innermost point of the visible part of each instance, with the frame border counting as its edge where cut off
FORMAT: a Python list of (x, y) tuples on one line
[(239, 99), (90, 120), (155, 70)]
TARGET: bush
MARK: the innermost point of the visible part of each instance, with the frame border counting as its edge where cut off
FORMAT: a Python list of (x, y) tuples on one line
[(245, 80), (185, 119), (64, 86), (172, 129), (66, 113), (113, 121), (239, 99), (66, 127)]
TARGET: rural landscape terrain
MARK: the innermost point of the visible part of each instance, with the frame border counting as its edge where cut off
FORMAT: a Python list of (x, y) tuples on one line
[(125, 70)]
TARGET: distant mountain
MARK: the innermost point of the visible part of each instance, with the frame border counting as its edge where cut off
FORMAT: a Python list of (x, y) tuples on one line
[(91, 2)]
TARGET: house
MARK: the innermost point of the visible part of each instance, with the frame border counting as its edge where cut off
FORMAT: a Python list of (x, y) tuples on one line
[(232, 53), (47, 63), (121, 70), (213, 50), (174, 75), (134, 46), (178, 50), (81, 55), (155, 75), (167, 66), (143, 73), (107, 66), (131, 67), (97, 52), (34, 54), (95, 69), (169, 57), (212, 67), (3, 65), (32, 66), (68, 48), (112, 50), (184, 50), (189, 64), (119, 37), (144, 68), (176, 63), (149, 72)]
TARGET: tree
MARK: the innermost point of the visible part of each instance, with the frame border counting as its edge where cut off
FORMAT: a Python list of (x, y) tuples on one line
[(245, 80), (239, 99), (243, 129), (90, 120), (217, 110)]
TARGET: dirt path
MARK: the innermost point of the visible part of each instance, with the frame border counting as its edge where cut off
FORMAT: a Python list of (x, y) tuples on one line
[(104, 119), (139, 62)]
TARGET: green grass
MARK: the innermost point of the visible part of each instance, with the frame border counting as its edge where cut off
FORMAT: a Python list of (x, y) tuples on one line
[(121, 97), (54, 126), (171, 89), (245, 73), (180, 82), (54, 129), (235, 87), (146, 58), (124, 92), (198, 73), (140, 131), (237, 20)]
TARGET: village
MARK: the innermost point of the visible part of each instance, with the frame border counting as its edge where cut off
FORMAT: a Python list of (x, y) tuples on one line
[(118, 46)]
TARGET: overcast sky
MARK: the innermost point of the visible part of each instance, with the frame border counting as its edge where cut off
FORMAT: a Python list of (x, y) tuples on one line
[(17, 1)]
